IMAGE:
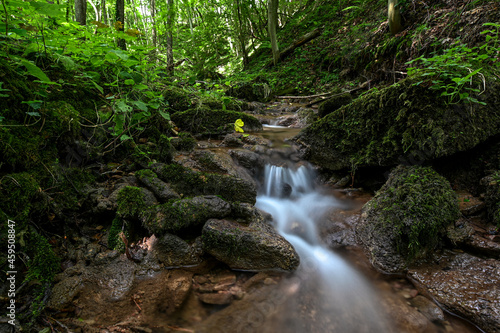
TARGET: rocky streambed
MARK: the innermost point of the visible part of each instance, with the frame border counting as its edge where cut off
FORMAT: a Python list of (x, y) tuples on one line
[(191, 252)]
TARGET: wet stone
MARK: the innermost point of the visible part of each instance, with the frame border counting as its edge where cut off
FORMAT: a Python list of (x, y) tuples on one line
[(465, 285)]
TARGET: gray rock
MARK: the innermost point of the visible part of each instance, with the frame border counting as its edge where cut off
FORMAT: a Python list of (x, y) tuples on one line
[(161, 190), (181, 215), (256, 247), (465, 285), (250, 160), (430, 310), (173, 251)]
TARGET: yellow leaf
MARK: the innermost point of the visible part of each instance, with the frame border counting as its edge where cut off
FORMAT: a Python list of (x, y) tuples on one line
[(239, 123), (238, 129)]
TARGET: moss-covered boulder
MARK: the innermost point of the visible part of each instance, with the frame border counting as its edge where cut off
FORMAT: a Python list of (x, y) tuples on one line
[(492, 185), (255, 247), (250, 91), (161, 190), (178, 98), (403, 123), (192, 183), (334, 104), (206, 122), (407, 217), (186, 215)]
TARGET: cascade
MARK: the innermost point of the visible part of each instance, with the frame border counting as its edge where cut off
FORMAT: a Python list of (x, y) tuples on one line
[(340, 298)]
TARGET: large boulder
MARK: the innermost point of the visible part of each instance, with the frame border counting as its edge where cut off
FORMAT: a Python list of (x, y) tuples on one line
[(254, 247), (192, 183), (250, 91), (186, 215), (403, 123), (334, 103), (407, 218), (207, 122)]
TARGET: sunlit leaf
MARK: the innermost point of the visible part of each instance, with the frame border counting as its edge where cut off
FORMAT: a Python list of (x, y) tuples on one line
[(35, 70)]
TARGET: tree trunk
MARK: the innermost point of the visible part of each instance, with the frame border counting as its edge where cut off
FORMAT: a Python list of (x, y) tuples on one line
[(241, 35), (120, 21), (104, 15), (394, 17), (153, 30), (81, 12), (170, 39), (272, 23)]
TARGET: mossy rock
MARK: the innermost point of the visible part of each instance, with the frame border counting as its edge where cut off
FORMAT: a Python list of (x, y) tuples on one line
[(184, 215), (191, 183), (249, 91), (206, 122), (492, 184), (178, 99), (334, 104), (408, 217), (257, 247), (403, 123), (184, 142), (161, 190), (132, 201)]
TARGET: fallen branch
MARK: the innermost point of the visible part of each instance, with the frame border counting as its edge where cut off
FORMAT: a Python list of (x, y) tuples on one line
[(298, 42), (363, 86), (304, 97)]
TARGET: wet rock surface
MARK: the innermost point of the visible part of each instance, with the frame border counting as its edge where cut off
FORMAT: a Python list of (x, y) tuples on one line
[(254, 247), (465, 285)]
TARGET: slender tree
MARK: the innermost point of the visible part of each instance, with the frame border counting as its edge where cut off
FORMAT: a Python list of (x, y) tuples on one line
[(394, 17), (272, 23), (170, 39), (81, 12), (104, 15), (120, 21)]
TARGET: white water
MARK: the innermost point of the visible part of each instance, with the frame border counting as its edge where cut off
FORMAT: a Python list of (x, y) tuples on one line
[(339, 297)]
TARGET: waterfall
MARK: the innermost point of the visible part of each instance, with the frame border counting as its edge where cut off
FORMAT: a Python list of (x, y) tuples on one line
[(341, 299)]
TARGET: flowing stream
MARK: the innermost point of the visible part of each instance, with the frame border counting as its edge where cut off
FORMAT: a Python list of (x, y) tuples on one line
[(337, 298)]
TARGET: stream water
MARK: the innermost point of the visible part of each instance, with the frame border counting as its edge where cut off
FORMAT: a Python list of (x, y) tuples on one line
[(343, 300)]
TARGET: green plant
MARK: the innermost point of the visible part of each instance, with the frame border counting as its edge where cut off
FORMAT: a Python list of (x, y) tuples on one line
[(452, 73)]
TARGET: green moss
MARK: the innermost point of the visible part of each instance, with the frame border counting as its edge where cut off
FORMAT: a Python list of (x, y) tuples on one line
[(185, 142), (61, 118), (417, 204), (41, 270), (18, 194), (403, 122), (178, 99), (191, 183), (208, 122), (130, 202), (493, 198), (114, 240)]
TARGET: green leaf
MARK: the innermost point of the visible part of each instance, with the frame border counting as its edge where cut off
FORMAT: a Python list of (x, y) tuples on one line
[(129, 82), (141, 86), (164, 114), (122, 106), (140, 105), (35, 70), (98, 87), (33, 114), (125, 137)]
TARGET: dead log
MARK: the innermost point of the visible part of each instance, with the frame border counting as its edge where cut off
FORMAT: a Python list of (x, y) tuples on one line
[(298, 42)]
